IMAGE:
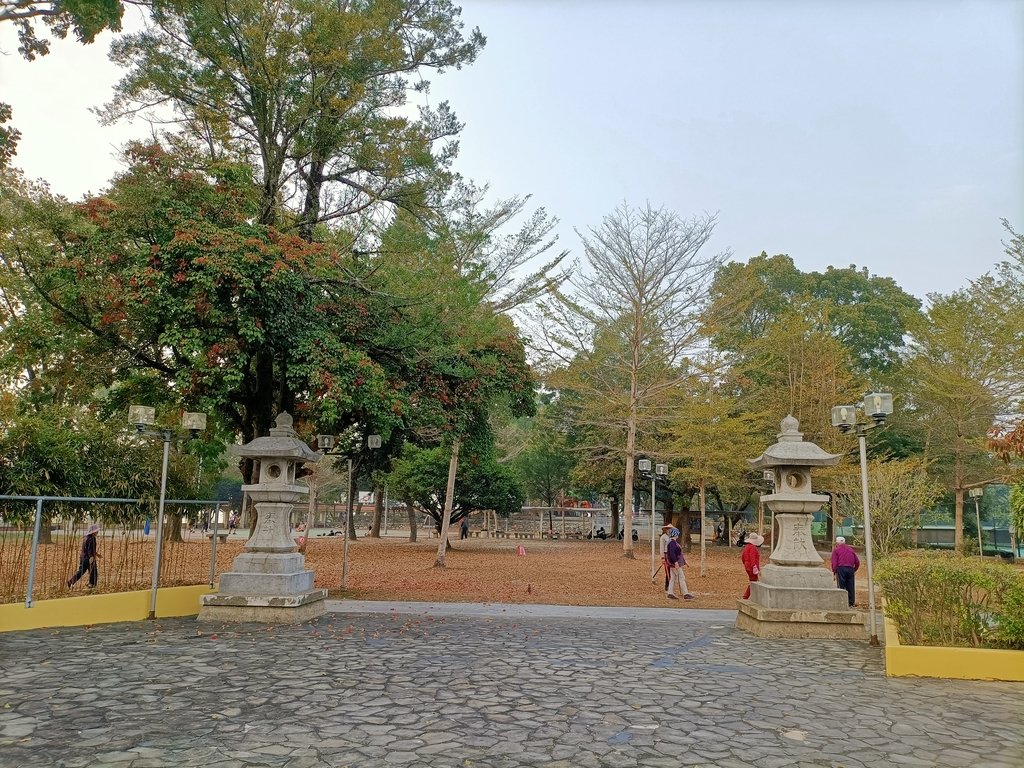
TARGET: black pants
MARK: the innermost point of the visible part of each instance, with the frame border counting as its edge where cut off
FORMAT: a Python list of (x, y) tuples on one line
[(83, 566), (844, 578)]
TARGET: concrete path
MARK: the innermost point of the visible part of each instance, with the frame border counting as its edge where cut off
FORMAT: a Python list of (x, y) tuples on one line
[(484, 686)]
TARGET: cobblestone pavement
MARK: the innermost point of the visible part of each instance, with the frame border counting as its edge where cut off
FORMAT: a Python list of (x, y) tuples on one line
[(440, 688)]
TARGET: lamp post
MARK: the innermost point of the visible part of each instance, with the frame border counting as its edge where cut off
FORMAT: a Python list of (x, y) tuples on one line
[(876, 407), (142, 417), (644, 465), (977, 493)]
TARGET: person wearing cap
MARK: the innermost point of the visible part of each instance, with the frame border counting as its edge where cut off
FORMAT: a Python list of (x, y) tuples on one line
[(751, 558), (676, 561), (664, 541), (87, 557), (844, 565)]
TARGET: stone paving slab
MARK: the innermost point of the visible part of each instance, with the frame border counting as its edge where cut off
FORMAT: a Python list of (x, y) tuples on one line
[(419, 688)]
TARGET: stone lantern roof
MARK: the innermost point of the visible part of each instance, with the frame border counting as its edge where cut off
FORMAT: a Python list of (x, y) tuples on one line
[(282, 442), (792, 451)]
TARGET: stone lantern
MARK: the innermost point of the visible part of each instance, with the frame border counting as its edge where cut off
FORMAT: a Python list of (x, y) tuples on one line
[(795, 596), (269, 581)]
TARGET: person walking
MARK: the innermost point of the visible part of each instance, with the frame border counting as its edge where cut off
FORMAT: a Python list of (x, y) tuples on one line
[(464, 529), (676, 563), (844, 565), (751, 558), (663, 544), (87, 557)]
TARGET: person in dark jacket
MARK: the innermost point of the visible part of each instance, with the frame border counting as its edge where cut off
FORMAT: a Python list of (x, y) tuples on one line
[(676, 562), (87, 557), (844, 565), (464, 529)]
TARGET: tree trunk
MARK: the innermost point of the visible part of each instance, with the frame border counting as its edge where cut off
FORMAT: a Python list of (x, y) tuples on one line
[(627, 491), (958, 491), (686, 523), (703, 544), (172, 526), (410, 510), (378, 512), (45, 523), (353, 494), (449, 502), (613, 509), (958, 525)]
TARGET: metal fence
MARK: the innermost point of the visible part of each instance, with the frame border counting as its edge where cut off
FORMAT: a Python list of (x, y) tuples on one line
[(41, 538)]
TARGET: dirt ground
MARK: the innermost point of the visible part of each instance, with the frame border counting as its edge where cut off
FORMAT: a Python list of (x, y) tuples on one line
[(551, 572), (478, 570)]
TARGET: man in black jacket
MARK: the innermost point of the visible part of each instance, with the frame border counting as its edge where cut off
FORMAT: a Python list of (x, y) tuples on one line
[(87, 558)]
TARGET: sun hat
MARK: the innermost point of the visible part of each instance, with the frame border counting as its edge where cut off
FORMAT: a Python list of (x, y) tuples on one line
[(673, 533), (840, 539), (756, 539), (94, 528), (667, 525)]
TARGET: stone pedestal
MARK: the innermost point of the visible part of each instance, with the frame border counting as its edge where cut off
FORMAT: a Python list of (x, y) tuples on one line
[(269, 582), (794, 595), (793, 623)]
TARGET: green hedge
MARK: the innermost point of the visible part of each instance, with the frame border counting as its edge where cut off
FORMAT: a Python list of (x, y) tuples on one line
[(939, 598)]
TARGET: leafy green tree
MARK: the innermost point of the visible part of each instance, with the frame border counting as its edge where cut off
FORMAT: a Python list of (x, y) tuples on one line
[(711, 437), (966, 367), (57, 450), (309, 93), (866, 313), (167, 274), (420, 476), (545, 462)]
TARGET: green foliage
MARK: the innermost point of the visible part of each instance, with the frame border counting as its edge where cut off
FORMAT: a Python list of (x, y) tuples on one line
[(84, 18), (941, 599), (898, 492), (74, 451), (166, 278), (310, 92), (1017, 509), (420, 475), (866, 313), (545, 462)]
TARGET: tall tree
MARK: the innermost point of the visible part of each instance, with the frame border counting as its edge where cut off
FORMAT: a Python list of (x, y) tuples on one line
[(309, 93), (866, 313), (966, 368), (167, 278), (711, 436), (633, 315)]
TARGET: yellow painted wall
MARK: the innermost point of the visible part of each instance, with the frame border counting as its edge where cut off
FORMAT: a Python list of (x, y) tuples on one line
[(102, 608), (952, 663)]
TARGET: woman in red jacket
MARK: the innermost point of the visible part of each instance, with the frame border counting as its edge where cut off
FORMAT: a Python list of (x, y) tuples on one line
[(751, 558)]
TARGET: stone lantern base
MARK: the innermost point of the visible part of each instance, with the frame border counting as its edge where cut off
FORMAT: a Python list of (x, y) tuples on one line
[(264, 609), (799, 602), (793, 623), (265, 587)]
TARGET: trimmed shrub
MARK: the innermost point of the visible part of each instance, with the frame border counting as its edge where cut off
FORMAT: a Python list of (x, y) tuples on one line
[(939, 598)]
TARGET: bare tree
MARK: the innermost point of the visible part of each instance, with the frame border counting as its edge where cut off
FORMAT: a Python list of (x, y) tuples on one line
[(620, 336)]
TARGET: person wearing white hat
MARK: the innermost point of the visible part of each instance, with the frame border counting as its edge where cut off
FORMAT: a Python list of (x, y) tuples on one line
[(87, 557), (751, 558), (676, 562)]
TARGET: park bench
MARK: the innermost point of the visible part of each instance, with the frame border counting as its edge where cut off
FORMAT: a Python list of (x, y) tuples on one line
[(222, 536)]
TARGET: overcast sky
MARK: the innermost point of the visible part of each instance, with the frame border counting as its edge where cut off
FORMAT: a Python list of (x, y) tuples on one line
[(886, 135)]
